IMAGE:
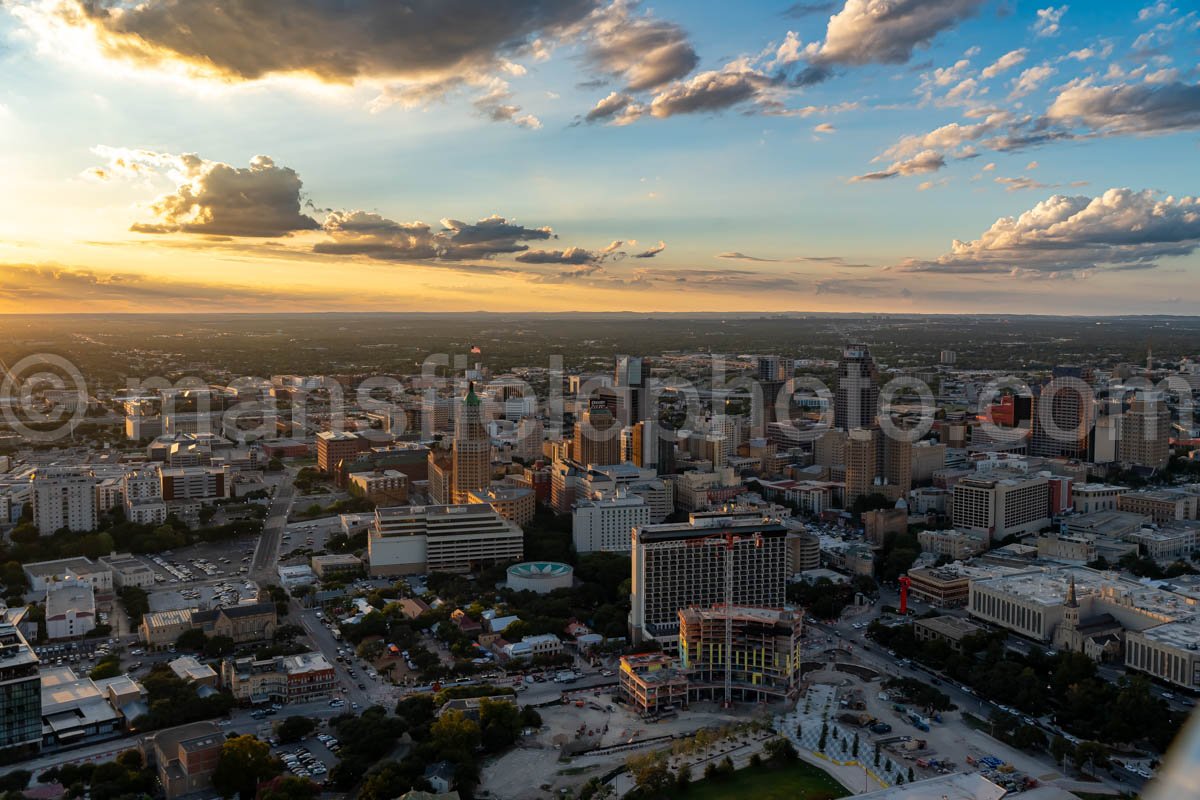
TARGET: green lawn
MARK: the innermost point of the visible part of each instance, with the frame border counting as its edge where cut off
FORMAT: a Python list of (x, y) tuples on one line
[(796, 782)]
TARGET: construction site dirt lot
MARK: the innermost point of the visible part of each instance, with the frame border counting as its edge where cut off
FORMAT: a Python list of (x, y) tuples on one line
[(541, 764)]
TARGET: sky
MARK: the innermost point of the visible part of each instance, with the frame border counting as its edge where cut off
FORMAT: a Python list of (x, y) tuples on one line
[(940, 156)]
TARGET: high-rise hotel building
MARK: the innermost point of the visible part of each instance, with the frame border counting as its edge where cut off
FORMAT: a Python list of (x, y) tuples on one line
[(680, 565)]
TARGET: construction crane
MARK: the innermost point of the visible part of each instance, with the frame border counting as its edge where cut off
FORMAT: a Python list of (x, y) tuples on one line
[(728, 541)]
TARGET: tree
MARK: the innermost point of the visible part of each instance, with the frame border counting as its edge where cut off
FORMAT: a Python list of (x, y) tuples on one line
[(294, 728), (1091, 754), (244, 762), (499, 723), (219, 646), (107, 667), (780, 751), (683, 778), (456, 735), (193, 639), (135, 601), (1061, 749)]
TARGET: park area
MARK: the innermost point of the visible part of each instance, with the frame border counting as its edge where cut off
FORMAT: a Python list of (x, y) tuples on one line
[(794, 781)]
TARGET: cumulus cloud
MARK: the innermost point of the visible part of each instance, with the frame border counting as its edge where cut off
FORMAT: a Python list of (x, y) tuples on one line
[(1129, 108), (575, 255), (1119, 229), (646, 53), (651, 252), (1030, 80), (572, 255), (1005, 62), (496, 105), (365, 233), (824, 127), (331, 42), (213, 198), (952, 138), (617, 108), (1048, 19), (711, 91), (925, 161), (887, 31)]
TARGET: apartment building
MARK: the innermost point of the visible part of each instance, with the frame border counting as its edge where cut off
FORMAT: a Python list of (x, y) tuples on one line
[(409, 540), (63, 498)]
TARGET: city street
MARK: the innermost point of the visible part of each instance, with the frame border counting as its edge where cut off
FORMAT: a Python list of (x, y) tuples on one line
[(266, 554)]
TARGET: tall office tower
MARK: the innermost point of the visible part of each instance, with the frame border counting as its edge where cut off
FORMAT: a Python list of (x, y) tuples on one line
[(681, 565), (1062, 419), (652, 445), (856, 401), (20, 691), (629, 381), (897, 467), (773, 372), (1145, 432), (862, 463), (63, 498), (597, 436), (471, 457)]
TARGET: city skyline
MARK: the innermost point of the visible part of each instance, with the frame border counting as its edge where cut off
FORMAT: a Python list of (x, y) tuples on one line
[(949, 156)]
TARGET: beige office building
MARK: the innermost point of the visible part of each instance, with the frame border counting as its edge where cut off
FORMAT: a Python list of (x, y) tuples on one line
[(410, 540)]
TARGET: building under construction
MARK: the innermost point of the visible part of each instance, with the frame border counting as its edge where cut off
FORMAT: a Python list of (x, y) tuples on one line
[(763, 663), (652, 683), (753, 653)]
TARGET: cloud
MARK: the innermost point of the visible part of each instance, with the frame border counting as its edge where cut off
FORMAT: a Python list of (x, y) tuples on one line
[(572, 255), (1030, 80), (365, 233), (824, 127), (1120, 229), (799, 10), (617, 108), (1160, 9), (1004, 62), (712, 91), (495, 106), (887, 31), (925, 161), (332, 42), (951, 138), (1048, 20), (651, 252), (830, 261), (1021, 183), (213, 198), (1144, 108), (644, 52)]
